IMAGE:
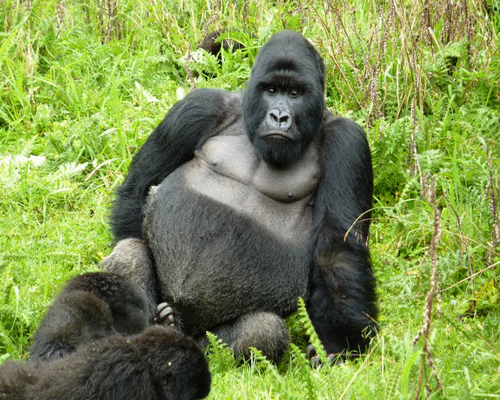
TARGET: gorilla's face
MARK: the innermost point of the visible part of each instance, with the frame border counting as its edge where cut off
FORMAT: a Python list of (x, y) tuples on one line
[(283, 104)]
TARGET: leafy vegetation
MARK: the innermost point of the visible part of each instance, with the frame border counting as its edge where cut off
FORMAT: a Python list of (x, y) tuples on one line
[(82, 84)]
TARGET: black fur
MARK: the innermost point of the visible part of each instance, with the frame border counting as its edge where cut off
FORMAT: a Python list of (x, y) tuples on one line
[(90, 306), (214, 262), (159, 364), (342, 301)]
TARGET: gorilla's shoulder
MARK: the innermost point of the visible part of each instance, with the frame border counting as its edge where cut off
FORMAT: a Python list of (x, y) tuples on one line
[(341, 126), (216, 99), (202, 111)]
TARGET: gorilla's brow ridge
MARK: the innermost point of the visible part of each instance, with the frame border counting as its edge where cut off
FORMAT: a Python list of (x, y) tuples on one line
[(285, 79), (286, 64)]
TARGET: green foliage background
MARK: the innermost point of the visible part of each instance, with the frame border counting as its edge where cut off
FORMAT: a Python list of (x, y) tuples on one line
[(83, 83)]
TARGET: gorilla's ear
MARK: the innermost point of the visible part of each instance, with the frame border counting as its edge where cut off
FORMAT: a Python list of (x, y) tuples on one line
[(321, 72)]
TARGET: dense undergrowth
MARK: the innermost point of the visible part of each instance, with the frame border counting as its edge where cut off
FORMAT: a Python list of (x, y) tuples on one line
[(82, 84)]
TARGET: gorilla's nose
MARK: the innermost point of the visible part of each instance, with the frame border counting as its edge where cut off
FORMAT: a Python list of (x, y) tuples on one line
[(279, 119)]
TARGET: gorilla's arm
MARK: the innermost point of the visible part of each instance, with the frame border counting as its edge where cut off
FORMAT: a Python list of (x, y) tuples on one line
[(188, 123), (342, 300)]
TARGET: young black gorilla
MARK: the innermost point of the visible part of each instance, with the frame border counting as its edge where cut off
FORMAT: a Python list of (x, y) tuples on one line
[(91, 306), (262, 196), (79, 351), (159, 364)]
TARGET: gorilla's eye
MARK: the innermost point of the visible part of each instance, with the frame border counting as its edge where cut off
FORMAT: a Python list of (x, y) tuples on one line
[(271, 89), (294, 92)]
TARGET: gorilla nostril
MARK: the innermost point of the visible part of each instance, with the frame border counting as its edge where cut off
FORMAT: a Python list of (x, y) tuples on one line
[(283, 120)]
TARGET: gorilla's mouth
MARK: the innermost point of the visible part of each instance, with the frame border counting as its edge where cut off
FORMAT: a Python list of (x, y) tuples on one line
[(277, 135)]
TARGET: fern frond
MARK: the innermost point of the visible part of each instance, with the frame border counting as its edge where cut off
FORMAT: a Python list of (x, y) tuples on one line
[(311, 332)]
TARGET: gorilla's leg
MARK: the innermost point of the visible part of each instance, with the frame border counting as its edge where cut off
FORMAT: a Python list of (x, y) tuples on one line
[(132, 259), (265, 331), (74, 318)]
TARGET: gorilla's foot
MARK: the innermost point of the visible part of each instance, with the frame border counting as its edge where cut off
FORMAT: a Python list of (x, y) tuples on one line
[(165, 315)]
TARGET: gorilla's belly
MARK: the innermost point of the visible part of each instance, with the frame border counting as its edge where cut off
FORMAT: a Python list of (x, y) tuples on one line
[(222, 248)]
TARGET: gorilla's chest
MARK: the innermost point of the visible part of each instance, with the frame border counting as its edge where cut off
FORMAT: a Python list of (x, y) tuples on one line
[(234, 157), (228, 170)]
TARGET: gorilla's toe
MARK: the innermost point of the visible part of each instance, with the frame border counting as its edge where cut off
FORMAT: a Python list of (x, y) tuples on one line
[(165, 315)]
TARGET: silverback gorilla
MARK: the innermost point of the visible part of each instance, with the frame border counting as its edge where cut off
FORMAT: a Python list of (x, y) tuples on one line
[(239, 203)]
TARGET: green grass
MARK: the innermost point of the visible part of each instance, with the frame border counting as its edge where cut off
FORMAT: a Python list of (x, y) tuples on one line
[(83, 83)]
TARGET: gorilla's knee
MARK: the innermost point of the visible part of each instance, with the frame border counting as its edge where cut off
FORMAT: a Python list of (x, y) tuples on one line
[(265, 331), (132, 259), (128, 255)]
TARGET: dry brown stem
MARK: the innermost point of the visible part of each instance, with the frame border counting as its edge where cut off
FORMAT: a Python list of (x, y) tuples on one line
[(432, 294), (493, 208)]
